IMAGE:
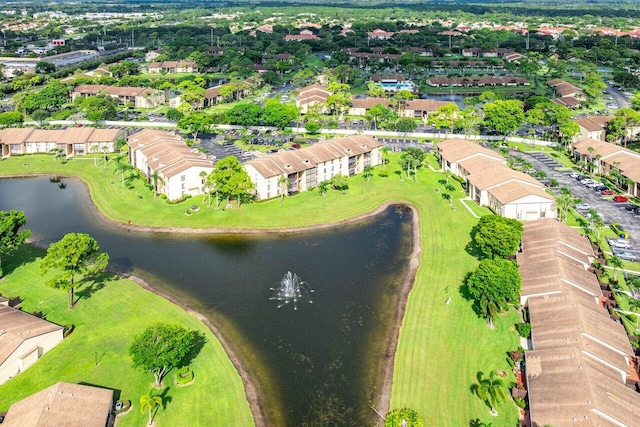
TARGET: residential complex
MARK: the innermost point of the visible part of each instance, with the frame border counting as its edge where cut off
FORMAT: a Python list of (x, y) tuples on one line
[(580, 369), (490, 182), (307, 167), (172, 167), (73, 141)]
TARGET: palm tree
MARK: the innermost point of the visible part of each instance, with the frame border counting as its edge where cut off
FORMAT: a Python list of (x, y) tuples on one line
[(384, 151), (157, 178), (367, 173), (615, 262), (283, 182), (634, 305), (491, 390), (490, 306), (150, 403)]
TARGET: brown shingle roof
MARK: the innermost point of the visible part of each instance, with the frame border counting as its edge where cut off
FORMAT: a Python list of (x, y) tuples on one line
[(62, 404), (513, 191), (457, 149), (17, 326)]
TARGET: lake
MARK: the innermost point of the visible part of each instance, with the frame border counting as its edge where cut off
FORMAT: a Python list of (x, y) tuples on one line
[(318, 365)]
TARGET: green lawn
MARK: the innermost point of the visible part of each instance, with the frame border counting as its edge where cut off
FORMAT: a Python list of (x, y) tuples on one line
[(104, 323), (441, 348)]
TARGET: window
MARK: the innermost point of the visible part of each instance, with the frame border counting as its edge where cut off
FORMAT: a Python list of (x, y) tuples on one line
[(183, 178)]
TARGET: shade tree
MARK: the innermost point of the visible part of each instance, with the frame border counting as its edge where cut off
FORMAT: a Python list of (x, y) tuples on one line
[(497, 279), (75, 258), (497, 236), (10, 235), (162, 347)]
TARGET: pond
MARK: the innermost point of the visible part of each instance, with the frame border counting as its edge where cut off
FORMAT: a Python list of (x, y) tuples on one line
[(318, 365)]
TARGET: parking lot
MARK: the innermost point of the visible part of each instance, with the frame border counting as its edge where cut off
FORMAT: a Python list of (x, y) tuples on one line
[(611, 211)]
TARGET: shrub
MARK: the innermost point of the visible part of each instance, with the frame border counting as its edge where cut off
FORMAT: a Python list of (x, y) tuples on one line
[(180, 200), (410, 417), (520, 403), (68, 329), (383, 174), (184, 376), (524, 329), (126, 404)]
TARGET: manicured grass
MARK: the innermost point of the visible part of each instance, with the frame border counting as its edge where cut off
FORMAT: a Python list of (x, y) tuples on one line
[(442, 346), (105, 323)]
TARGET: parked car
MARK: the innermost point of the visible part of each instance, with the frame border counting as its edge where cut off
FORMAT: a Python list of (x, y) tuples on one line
[(594, 184), (574, 175), (626, 255), (620, 243), (583, 207), (607, 192), (600, 188), (631, 207), (586, 181), (620, 199)]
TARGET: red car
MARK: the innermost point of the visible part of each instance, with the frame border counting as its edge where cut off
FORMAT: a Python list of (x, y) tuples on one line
[(620, 199), (607, 192)]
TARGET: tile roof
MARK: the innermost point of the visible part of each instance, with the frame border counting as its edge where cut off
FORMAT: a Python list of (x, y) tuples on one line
[(457, 149)]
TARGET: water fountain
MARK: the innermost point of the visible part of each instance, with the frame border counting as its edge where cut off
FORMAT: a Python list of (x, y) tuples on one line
[(290, 289)]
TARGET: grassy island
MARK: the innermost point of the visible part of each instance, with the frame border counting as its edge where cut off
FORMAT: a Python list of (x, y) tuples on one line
[(442, 346)]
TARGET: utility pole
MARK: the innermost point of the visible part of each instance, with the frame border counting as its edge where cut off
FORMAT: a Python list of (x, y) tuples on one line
[(132, 40)]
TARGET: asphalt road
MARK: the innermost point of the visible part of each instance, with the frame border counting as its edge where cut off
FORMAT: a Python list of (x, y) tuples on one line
[(612, 212)]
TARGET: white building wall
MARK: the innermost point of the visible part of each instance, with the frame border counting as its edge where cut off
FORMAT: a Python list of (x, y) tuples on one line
[(188, 181), (24, 356), (526, 209)]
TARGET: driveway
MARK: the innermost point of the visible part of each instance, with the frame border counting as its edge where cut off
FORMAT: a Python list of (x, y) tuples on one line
[(612, 212)]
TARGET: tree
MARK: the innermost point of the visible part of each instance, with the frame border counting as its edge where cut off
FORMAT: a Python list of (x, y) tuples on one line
[(615, 262), (39, 115), (195, 123), (10, 235), (406, 124), (379, 112), (278, 115), (375, 90), (323, 187), (231, 180), (312, 127), (75, 254), (497, 236), (283, 182), (491, 389), (503, 116), (11, 118), (490, 305), (563, 201), (174, 115), (498, 277), (412, 158), (162, 347), (157, 179), (150, 402), (367, 173), (246, 114)]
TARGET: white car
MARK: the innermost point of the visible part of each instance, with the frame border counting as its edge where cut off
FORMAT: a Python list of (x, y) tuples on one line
[(594, 184), (574, 175), (620, 243), (586, 181), (583, 207)]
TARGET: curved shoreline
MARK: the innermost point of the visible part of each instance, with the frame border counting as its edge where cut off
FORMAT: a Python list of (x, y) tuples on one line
[(251, 392)]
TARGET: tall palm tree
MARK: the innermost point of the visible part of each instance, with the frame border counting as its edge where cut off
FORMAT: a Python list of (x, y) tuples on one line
[(616, 263), (384, 151), (150, 402), (157, 178), (491, 390), (283, 182)]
